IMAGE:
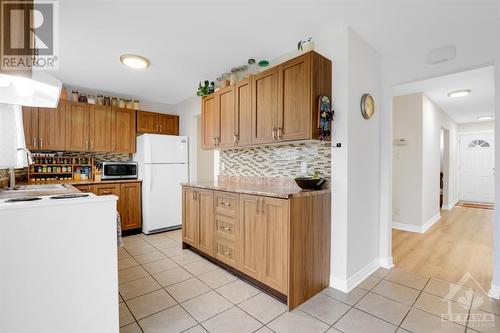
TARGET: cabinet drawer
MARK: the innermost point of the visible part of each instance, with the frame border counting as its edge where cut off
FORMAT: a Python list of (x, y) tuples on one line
[(225, 227), (226, 203), (226, 252)]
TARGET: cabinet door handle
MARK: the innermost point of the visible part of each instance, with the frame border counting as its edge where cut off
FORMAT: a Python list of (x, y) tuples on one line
[(92, 145), (262, 205), (258, 202), (227, 204), (226, 253), (34, 142), (41, 143), (274, 133), (226, 229), (279, 133), (235, 138)]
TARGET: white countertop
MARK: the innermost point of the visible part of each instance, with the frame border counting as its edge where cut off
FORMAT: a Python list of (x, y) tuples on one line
[(46, 201)]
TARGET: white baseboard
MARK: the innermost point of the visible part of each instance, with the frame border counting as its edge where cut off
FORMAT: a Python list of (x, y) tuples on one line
[(449, 205), (386, 262), (351, 283), (414, 228), (494, 292), (406, 227), (431, 221)]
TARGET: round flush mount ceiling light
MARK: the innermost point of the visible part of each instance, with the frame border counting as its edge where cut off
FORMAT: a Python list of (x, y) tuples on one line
[(134, 61), (459, 93)]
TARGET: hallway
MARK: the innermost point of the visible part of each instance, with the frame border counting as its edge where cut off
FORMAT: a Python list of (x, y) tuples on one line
[(460, 243)]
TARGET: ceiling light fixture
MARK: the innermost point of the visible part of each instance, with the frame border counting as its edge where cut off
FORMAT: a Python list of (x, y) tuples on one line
[(134, 61), (459, 93), (486, 118)]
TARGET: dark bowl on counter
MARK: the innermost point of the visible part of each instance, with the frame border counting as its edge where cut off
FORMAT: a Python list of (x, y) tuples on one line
[(309, 183)]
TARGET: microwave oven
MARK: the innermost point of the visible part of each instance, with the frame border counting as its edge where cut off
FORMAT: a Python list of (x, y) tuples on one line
[(119, 170)]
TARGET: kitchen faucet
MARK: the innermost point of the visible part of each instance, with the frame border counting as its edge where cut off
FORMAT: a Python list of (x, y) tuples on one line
[(12, 172)]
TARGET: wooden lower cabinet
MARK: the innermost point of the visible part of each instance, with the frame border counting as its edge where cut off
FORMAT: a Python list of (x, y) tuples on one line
[(205, 203), (129, 203), (257, 236)]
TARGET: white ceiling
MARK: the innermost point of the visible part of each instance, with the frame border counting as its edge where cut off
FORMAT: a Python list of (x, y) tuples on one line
[(190, 41), (481, 101)]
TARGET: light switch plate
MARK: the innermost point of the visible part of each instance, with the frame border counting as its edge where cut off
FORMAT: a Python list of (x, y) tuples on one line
[(303, 167)]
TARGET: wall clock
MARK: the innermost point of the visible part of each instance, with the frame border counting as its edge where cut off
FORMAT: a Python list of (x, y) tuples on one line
[(367, 106)]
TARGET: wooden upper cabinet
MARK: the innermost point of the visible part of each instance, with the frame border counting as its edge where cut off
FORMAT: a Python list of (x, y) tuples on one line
[(243, 113), (205, 202), (123, 129), (265, 97), (130, 205), (30, 124), (147, 122), (77, 127), (189, 216), (226, 113), (101, 128), (168, 124), (209, 119), (52, 127), (294, 114)]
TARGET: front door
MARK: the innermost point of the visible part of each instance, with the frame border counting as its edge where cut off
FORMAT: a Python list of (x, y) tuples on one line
[(477, 167)]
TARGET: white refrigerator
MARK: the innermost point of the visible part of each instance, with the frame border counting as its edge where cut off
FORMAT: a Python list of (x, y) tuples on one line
[(163, 166)]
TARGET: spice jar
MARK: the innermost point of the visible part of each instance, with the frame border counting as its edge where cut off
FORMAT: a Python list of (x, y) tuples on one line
[(82, 99), (114, 101), (74, 95), (121, 103), (136, 104), (100, 100), (252, 67), (129, 104), (234, 76), (107, 101)]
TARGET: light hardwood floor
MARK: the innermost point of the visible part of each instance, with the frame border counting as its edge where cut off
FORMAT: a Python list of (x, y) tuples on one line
[(461, 242)]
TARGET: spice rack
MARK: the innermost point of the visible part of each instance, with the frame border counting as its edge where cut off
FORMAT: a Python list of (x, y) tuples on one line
[(50, 169)]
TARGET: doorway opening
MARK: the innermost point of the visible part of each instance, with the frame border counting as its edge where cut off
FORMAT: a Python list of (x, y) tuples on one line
[(443, 177)]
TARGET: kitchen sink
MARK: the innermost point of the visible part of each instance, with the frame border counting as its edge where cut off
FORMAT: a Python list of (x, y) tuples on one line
[(43, 187)]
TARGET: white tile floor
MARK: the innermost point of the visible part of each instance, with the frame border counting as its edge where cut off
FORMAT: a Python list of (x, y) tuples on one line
[(164, 289)]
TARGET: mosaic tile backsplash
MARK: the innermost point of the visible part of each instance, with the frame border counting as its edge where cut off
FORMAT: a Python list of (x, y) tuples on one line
[(277, 160)]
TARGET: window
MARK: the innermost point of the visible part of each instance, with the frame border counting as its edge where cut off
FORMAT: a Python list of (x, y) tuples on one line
[(478, 143)]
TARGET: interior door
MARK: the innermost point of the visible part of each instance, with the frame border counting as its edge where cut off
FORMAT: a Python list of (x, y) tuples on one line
[(52, 127), (477, 167), (264, 106), (101, 128)]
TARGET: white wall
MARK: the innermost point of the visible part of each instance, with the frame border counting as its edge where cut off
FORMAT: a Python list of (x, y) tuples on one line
[(479, 126), (495, 283), (417, 165), (407, 163), (355, 165), (188, 110), (435, 119)]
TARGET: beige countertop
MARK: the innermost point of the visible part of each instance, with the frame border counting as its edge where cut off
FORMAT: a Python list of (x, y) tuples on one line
[(97, 182), (67, 189), (277, 190)]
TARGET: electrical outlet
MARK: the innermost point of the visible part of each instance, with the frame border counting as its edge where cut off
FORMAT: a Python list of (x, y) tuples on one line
[(303, 167)]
